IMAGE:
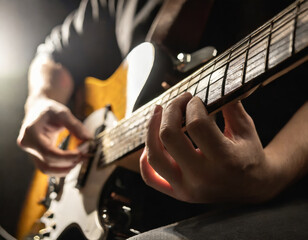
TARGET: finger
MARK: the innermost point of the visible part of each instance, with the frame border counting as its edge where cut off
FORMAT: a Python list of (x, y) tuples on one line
[(157, 156), (55, 156), (52, 171), (152, 178), (41, 146), (203, 129), (55, 162), (172, 135), (75, 126), (237, 121)]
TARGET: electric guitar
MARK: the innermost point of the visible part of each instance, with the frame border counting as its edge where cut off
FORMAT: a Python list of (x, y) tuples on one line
[(119, 118)]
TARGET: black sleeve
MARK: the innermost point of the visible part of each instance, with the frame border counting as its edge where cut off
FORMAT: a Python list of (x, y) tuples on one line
[(93, 40)]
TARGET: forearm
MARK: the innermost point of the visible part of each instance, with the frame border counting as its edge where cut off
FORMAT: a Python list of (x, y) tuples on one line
[(48, 79), (288, 151)]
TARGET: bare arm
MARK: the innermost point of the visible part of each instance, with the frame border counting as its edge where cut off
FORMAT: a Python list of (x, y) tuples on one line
[(289, 149), (50, 87), (49, 79), (229, 166)]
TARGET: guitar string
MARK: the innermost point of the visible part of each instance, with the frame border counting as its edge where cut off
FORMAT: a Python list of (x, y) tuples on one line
[(177, 87), (168, 98)]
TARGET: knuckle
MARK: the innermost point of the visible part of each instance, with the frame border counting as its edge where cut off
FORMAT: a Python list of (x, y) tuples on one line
[(171, 104), (146, 179), (47, 153), (23, 136), (49, 111), (150, 160), (193, 103), (167, 133), (247, 120), (21, 142), (63, 113), (250, 121), (43, 166), (27, 131), (195, 125)]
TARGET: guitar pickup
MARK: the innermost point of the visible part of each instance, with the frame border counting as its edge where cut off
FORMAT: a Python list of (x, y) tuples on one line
[(186, 62)]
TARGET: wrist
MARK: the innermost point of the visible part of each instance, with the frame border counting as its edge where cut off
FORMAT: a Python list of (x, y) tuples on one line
[(33, 100), (280, 172)]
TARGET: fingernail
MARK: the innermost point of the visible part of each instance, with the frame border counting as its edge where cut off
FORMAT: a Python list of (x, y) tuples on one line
[(157, 109)]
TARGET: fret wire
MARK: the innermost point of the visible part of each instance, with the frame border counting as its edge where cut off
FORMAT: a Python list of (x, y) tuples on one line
[(192, 89), (217, 74), (174, 93), (237, 52), (192, 86), (210, 73), (282, 21), (216, 77), (225, 75), (183, 88), (268, 46), (303, 7), (248, 47), (257, 48), (202, 84), (283, 32), (206, 73), (194, 79), (255, 65), (245, 62), (259, 39), (295, 25), (146, 111), (302, 28), (200, 88), (207, 93), (165, 99), (275, 19), (183, 83), (260, 35)]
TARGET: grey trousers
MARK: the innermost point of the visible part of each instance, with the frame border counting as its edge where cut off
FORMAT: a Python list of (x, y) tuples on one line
[(284, 218)]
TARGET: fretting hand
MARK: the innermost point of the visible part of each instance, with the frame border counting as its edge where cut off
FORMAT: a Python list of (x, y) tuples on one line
[(229, 166)]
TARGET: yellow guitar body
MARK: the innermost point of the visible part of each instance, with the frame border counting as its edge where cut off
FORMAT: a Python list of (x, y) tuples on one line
[(120, 92), (98, 94)]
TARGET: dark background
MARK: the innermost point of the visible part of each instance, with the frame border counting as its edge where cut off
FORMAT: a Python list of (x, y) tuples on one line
[(24, 24)]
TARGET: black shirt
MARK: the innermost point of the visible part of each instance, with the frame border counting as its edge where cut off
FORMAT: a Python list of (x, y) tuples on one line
[(94, 39)]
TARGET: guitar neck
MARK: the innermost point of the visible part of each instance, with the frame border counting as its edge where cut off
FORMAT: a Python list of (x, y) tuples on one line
[(270, 51)]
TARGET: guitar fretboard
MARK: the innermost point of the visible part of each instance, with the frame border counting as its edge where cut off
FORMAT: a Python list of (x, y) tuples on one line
[(236, 71)]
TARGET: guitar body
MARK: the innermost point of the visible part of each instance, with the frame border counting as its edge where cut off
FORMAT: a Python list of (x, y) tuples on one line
[(78, 207), (97, 198)]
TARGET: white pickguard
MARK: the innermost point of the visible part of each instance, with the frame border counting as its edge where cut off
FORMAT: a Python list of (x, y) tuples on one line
[(79, 206)]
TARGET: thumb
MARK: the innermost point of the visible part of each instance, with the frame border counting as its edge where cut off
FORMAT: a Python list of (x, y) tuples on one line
[(237, 120), (75, 126)]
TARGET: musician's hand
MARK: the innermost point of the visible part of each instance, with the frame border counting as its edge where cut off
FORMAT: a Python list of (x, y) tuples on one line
[(39, 132), (229, 166)]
